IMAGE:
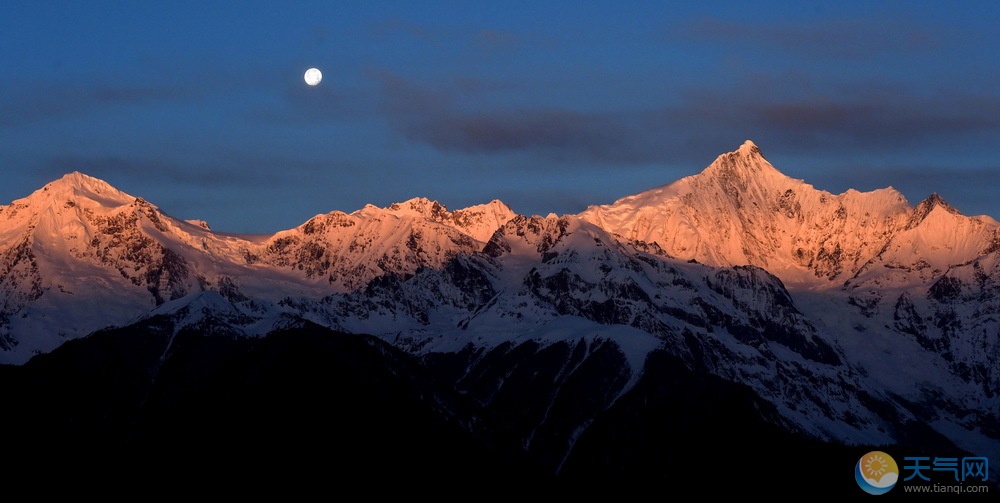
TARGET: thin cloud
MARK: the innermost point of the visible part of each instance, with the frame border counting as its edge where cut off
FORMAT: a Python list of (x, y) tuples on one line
[(24, 102), (44, 102), (221, 191), (492, 40), (394, 26), (846, 39), (794, 119), (436, 118), (233, 170), (321, 104), (471, 85), (860, 118)]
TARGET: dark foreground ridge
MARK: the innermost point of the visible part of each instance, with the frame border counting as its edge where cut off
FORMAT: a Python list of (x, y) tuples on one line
[(305, 409)]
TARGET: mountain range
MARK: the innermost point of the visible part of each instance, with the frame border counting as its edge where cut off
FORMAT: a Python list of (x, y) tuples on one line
[(732, 309)]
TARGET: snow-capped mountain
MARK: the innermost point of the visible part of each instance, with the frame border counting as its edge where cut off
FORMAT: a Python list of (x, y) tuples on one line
[(546, 281), (853, 318), (78, 255), (349, 251), (741, 210)]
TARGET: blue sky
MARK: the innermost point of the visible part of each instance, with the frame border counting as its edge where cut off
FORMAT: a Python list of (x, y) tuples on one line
[(200, 107)]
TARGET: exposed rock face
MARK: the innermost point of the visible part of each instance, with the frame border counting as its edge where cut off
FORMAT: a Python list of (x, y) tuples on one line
[(845, 318)]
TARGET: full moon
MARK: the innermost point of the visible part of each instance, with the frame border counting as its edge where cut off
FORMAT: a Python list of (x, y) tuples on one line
[(313, 76)]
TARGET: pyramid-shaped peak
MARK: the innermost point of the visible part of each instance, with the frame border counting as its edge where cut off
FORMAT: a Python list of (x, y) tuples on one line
[(934, 200), (928, 205), (746, 161), (749, 148), (76, 186)]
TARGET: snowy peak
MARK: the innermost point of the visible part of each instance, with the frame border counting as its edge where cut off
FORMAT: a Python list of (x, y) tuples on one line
[(749, 148), (748, 151), (64, 201), (344, 252), (482, 220), (77, 187), (748, 157), (744, 168), (716, 216), (478, 222), (418, 206), (741, 210), (934, 238), (527, 236), (78, 255), (925, 207)]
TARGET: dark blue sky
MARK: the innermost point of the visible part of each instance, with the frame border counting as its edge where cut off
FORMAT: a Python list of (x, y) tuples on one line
[(200, 107)]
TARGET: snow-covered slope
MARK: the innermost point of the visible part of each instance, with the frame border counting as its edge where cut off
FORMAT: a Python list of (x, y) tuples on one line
[(856, 316), (78, 255), (741, 211), (549, 279), (936, 236), (478, 222), (347, 251)]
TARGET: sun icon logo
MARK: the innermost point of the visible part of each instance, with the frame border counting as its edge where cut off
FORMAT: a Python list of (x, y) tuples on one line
[(876, 472), (875, 465)]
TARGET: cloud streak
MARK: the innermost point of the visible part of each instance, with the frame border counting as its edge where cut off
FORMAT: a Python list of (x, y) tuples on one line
[(251, 186), (394, 26), (796, 118), (45, 102), (844, 39), (437, 118), (491, 40), (858, 118), (231, 170)]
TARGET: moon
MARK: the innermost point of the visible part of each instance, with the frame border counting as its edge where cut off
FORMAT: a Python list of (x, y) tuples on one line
[(313, 76)]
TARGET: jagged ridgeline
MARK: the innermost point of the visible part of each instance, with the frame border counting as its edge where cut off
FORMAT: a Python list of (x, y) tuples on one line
[(826, 321)]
